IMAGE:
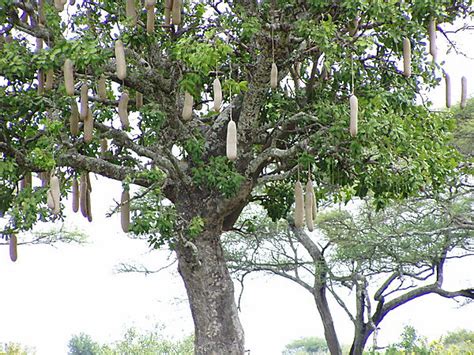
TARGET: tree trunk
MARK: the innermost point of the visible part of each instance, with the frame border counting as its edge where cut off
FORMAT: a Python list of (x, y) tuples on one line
[(211, 296), (328, 323), (360, 340), (319, 290)]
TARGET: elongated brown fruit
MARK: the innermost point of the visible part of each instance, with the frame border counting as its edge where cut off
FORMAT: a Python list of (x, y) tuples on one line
[(354, 104), (102, 88), (104, 146), (432, 38), (448, 89), (75, 195), (68, 70), (176, 12), (299, 205), (406, 57), (50, 199), (150, 20), (83, 194), (39, 44), (131, 12), (120, 60), (315, 206), (40, 77), (125, 211), (13, 244), (231, 143), (88, 127), (84, 101), (274, 76), (74, 119), (123, 110), (308, 205), (89, 184), (48, 85), (55, 193), (188, 106), (168, 7), (89, 205), (463, 92), (138, 100), (59, 5), (217, 88)]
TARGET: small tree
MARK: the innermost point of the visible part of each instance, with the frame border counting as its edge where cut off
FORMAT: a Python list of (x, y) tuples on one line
[(461, 340), (306, 346), (133, 341), (16, 349), (386, 258), (151, 342), (83, 344), (411, 342)]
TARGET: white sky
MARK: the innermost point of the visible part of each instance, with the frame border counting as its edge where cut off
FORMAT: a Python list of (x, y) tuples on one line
[(49, 294)]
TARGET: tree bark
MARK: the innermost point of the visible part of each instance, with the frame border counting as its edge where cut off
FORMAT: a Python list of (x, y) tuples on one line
[(210, 291), (328, 323), (360, 339), (319, 289), (362, 331)]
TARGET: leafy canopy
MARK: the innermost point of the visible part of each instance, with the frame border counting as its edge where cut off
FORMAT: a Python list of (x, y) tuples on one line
[(401, 146)]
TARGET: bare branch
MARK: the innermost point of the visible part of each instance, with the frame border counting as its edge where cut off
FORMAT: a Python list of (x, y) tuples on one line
[(51, 238), (140, 268), (341, 303)]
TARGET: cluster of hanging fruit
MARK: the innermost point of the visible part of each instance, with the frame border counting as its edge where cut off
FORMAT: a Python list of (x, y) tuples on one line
[(407, 71), (81, 192), (305, 202), (305, 205), (434, 53)]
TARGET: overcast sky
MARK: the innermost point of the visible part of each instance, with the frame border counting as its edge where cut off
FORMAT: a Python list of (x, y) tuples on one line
[(49, 294)]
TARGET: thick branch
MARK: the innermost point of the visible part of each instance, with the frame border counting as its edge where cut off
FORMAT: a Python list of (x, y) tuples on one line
[(271, 154), (413, 294), (385, 285), (122, 139), (101, 167)]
